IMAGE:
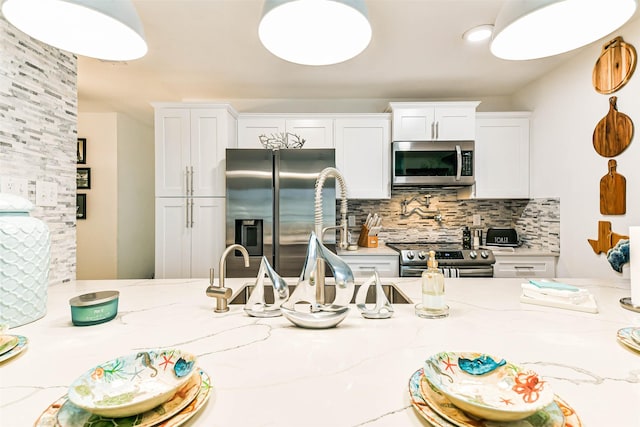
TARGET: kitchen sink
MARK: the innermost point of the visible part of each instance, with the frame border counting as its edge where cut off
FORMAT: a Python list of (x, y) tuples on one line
[(393, 294)]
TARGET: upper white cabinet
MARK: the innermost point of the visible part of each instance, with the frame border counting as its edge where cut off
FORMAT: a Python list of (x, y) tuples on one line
[(502, 156), (363, 144), (433, 121), (190, 148), (316, 131)]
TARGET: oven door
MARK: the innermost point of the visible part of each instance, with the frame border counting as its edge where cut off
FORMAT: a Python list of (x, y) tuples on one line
[(433, 163), (462, 272)]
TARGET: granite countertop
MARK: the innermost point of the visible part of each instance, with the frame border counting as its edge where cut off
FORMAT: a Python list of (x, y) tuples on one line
[(266, 372)]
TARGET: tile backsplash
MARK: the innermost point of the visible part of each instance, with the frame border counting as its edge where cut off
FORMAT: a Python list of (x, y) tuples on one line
[(537, 221)]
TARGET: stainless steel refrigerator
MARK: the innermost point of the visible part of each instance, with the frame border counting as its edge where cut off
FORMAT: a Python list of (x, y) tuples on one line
[(270, 206)]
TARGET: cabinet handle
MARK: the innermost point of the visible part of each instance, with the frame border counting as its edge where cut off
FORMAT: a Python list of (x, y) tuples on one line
[(523, 267), (186, 180), (191, 186), (186, 206), (191, 213), (437, 130), (432, 130)]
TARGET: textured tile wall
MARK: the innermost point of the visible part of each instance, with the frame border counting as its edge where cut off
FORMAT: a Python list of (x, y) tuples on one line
[(536, 221), (38, 131)]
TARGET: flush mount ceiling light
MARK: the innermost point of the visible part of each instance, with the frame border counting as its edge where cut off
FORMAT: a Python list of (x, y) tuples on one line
[(315, 32), (109, 30), (530, 29), (479, 33)]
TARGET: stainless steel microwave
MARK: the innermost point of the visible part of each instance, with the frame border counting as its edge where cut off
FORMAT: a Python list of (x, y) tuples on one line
[(433, 163)]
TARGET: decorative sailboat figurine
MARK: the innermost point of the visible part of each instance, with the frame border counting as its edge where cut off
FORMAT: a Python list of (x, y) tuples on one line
[(256, 305)]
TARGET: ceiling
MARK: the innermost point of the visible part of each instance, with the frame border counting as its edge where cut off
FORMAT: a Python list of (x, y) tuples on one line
[(209, 50)]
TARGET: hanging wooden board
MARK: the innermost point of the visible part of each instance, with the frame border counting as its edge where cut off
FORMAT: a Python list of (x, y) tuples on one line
[(606, 238), (613, 132), (614, 67), (613, 192)]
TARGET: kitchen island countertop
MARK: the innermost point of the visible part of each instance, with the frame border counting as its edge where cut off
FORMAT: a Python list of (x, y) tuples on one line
[(266, 372)]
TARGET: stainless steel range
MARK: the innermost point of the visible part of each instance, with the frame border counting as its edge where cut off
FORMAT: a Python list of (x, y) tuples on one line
[(452, 260)]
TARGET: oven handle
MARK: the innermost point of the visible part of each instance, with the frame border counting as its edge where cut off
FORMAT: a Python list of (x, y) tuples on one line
[(459, 159), (462, 272)]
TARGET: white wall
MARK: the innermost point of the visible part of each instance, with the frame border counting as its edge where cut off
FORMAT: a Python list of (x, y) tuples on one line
[(566, 109), (96, 235), (116, 240), (136, 208)]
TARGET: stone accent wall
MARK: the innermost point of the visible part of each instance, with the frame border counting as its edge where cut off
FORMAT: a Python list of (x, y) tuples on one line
[(536, 221), (38, 122)]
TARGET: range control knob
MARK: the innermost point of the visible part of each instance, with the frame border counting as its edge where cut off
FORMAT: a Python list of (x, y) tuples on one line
[(410, 255), (484, 254), (422, 254), (473, 254)]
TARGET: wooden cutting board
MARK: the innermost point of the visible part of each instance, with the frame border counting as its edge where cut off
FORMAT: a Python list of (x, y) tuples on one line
[(606, 238), (613, 132), (613, 192), (614, 67)]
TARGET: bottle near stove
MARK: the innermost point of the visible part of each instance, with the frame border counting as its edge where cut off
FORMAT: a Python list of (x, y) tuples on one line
[(433, 304), (466, 238)]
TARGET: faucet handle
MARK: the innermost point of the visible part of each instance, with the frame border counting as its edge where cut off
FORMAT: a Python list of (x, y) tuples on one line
[(212, 276)]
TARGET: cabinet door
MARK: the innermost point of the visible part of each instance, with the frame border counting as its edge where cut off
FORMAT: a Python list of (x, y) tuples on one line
[(317, 133), (413, 124), (502, 158), (207, 235), (362, 156), (249, 130), (454, 123), (172, 153), (173, 239), (208, 143)]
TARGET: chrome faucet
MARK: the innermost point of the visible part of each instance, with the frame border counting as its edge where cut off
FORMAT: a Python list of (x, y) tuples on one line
[(219, 292), (319, 277)]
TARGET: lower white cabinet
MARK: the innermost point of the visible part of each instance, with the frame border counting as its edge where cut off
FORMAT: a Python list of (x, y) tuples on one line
[(365, 265), (363, 145), (190, 236), (525, 266)]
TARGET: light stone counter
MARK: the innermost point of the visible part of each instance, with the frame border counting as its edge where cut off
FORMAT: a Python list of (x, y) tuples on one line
[(266, 372)]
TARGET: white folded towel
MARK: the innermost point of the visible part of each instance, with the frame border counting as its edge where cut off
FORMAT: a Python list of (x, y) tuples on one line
[(553, 291)]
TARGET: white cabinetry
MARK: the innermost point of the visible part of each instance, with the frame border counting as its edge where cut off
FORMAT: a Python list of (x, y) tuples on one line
[(526, 266), (189, 236), (190, 143), (190, 149), (316, 131), (433, 121), (502, 156), (365, 265), (362, 155)]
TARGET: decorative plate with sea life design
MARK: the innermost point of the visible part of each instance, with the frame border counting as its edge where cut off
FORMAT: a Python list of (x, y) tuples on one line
[(486, 386), (51, 416), (625, 337), (16, 348), (439, 411), (132, 384)]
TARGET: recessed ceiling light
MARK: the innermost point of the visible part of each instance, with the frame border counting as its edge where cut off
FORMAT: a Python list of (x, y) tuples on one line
[(479, 33)]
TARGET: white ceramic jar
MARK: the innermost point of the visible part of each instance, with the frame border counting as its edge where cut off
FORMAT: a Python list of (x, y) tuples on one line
[(25, 250)]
